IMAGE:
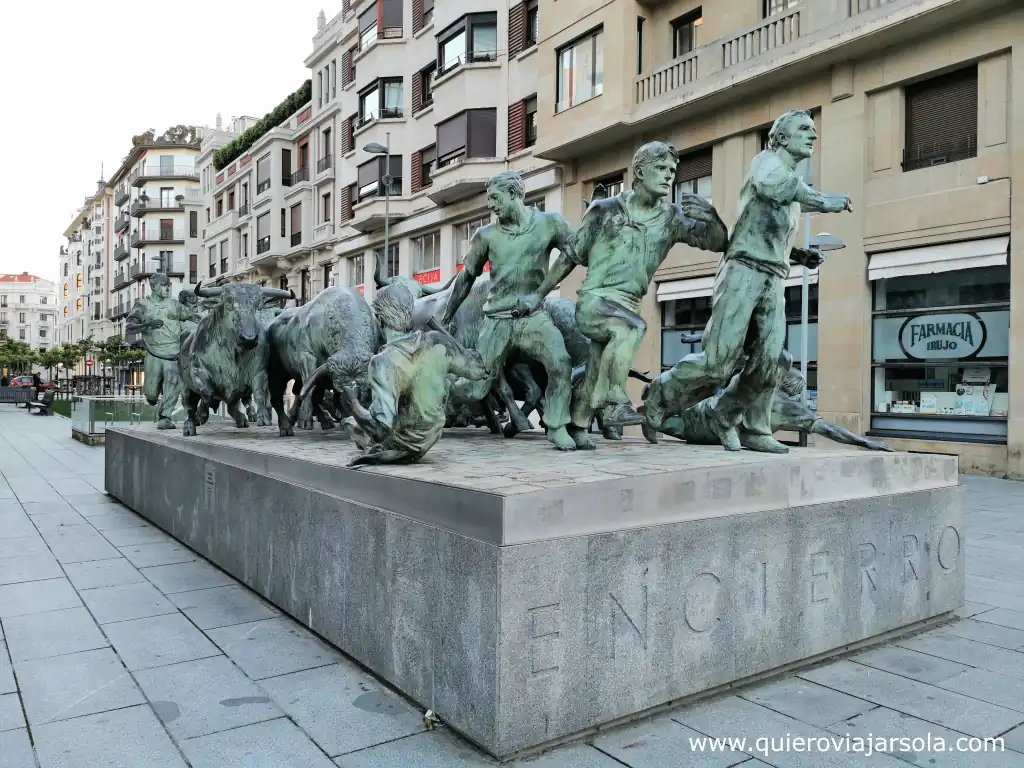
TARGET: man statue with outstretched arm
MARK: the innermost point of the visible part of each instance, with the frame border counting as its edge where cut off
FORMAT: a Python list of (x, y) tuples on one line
[(518, 247), (622, 241), (748, 311), (160, 319)]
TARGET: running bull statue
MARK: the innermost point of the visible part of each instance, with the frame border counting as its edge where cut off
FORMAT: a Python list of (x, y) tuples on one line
[(225, 358)]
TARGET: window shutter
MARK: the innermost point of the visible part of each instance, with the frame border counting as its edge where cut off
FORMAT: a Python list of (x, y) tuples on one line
[(516, 127), (346, 68), (346, 203), (417, 92), (417, 16), (516, 29), (695, 165), (942, 119), (417, 171)]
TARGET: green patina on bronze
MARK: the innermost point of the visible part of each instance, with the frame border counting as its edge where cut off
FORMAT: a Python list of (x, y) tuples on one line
[(622, 241), (408, 381), (518, 247), (747, 329), (161, 320)]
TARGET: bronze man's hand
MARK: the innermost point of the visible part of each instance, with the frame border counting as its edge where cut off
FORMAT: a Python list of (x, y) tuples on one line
[(811, 258), (696, 207)]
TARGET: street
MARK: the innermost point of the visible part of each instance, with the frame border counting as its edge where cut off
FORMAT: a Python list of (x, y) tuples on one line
[(121, 647)]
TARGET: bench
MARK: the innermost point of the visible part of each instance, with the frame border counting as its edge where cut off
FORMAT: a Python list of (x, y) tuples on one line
[(44, 404), (17, 394)]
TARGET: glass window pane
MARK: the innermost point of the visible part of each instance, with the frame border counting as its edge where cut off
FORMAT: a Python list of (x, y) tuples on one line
[(393, 95), (453, 51), (951, 390), (485, 39)]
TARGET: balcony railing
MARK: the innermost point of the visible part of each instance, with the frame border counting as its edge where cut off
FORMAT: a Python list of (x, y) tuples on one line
[(156, 171), (388, 113), (121, 250), (139, 207), (773, 32), (263, 244), (300, 175), (121, 194), (472, 57), (120, 280), (296, 238), (263, 186), (323, 163), (679, 72), (157, 235), (927, 155), (243, 210), (121, 224)]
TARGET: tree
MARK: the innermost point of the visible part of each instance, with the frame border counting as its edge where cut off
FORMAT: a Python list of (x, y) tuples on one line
[(49, 360), (143, 137), (17, 355), (69, 355), (180, 134)]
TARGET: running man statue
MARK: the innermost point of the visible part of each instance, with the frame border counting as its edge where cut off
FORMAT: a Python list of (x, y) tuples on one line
[(160, 319), (748, 311), (518, 246), (622, 241)]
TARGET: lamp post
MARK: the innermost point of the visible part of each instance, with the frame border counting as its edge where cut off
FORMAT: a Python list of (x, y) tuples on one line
[(377, 149)]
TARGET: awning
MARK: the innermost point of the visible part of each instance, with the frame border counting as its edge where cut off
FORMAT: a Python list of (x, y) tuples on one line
[(704, 286), (991, 252)]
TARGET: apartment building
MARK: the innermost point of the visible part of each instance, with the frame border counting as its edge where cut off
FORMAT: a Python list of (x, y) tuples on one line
[(156, 202), (28, 310), (429, 100), (84, 267), (918, 105)]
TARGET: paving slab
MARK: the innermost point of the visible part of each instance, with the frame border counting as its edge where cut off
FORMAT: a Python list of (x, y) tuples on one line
[(148, 555), (7, 684), (806, 701), (273, 647), (103, 573), (1003, 617), (37, 597), (158, 641), (37, 567), (909, 738), (22, 546), (125, 537), (76, 684), (439, 748), (909, 663), (78, 544), (55, 633), (197, 698), (118, 519), (988, 686), (1015, 739), (186, 577), (123, 738), (953, 710), (95, 503), (969, 652), (16, 526), (575, 756), (275, 744), (11, 716), (16, 750), (37, 508), (71, 486), (223, 606), (126, 602), (995, 599), (664, 743), (985, 632), (342, 709)]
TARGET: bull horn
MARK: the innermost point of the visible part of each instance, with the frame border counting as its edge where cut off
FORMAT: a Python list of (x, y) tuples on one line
[(378, 273), (278, 293), (318, 374), (430, 290), (207, 293)]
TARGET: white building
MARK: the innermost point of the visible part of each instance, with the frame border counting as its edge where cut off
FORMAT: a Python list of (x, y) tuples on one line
[(84, 266), (28, 310)]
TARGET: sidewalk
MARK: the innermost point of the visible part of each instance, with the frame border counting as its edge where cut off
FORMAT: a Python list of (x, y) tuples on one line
[(120, 647)]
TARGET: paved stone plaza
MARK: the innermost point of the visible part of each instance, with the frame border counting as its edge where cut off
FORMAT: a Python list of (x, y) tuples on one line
[(121, 648)]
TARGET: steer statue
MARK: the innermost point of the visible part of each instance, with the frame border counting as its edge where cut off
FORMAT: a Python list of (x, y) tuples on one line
[(225, 358)]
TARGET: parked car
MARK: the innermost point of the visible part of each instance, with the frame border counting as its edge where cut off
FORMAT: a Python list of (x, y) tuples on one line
[(26, 381)]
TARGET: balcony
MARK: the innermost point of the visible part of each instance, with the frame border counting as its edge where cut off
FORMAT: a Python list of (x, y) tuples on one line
[(145, 235), (121, 194), (243, 210), (323, 163), (120, 280), (160, 172), (121, 310), (390, 113), (462, 178), (263, 245), (120, 250), (323, 232), (144, 205), (221, 224), (368, 215), (296, 239), (122, 222), (299, 176)]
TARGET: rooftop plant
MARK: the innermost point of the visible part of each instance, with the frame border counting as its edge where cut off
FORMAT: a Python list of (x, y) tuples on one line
[(226, 154)]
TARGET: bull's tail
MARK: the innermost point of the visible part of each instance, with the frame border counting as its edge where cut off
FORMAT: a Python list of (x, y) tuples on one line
[(150, 351), (580, 371), (644, 377), (430, 290), (307, 386)]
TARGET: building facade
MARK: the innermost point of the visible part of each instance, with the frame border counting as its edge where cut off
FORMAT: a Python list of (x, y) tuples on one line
[(919, 106), (84, 268), (28, 310)]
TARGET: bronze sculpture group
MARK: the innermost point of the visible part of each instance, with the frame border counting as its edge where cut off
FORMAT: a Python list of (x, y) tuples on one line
[(469, 352)]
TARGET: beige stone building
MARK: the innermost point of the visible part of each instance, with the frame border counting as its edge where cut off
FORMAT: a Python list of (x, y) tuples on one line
[(920, 112)]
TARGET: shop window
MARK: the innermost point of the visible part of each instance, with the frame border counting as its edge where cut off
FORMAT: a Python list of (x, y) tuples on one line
[(940, 355)]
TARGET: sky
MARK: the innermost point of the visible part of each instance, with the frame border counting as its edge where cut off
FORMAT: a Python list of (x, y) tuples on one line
[(78, 80)]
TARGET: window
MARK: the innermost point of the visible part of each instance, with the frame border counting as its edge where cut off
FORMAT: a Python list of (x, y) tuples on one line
[(45, 317), (65, 292), (21, 331), (537, 203), (580, 71), (464, 234), (296, 224), (532, 23), (286, 167), (319, 88), (21, 317), (428, 157), (775, 7), (327, 275), (368, 27), (531, 121), (193, 223), (468, 134), (940, 352), (693, 176), (42, 331), (262, 233), (428, 12), (305, 289), (371, 174), (219, 205), (334, 78), (942, 120), (66, 270), (245, 245), (678, 317), (391, 263), (325, 207), (193, 268), (639, 45), (45, 299), (284, 222), (355, 270), (425, 78), (231, 200), (65, 315), (426, 253), (78, 305), (213, 261), (472, 38), (382, 100), (283, 283), (684, 33), (223, 256), (262, 177), (609, 186), (78, 282), (21, 299)]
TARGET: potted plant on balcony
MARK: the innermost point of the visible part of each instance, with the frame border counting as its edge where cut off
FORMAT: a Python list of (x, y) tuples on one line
[(180, 200)]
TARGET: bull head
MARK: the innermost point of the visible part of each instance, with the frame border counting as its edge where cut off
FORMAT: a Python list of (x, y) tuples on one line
[(239, 305)]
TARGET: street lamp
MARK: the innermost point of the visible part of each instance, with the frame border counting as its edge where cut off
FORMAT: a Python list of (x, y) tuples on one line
[(376, 149)]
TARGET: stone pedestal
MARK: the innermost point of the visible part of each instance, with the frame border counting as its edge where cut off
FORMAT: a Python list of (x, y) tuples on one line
[(527, 595)]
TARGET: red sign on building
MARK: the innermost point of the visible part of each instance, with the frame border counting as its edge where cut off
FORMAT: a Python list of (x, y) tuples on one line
[(360, 289), (426, 278), (487, 267)]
